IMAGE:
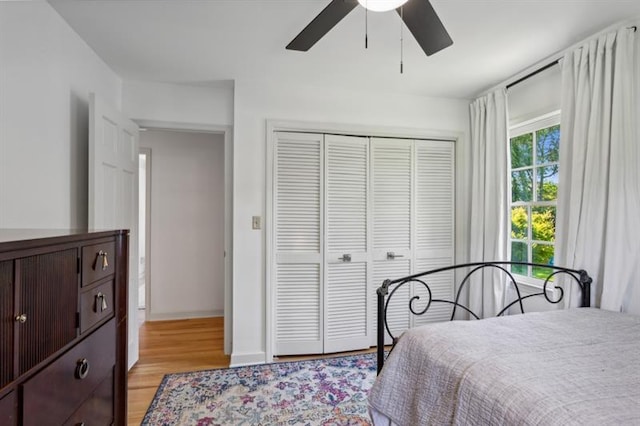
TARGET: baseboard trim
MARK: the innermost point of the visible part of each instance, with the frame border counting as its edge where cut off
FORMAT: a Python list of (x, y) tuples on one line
[(185, 315), (247, 358)]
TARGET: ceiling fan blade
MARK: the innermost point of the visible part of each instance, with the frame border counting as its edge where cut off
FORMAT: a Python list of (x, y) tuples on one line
[(321, 24), (426, 27)]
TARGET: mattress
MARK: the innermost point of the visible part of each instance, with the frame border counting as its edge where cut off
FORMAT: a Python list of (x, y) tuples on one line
[(577, 366)]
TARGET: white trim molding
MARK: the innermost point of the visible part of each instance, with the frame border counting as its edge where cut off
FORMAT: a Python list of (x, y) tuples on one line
[(185, 315), (246, 358)]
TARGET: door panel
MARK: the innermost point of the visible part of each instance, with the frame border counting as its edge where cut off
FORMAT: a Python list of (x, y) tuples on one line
[(346, 321), (113, 191), (7, 323), (434, 224), (346, 256), (298, 321), (398, 312), (392, 224), (298, 227)]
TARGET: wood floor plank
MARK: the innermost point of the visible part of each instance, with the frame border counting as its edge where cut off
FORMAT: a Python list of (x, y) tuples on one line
[(172, 347)]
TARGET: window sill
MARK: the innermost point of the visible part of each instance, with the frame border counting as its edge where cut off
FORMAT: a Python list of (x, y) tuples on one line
[(527, 283)]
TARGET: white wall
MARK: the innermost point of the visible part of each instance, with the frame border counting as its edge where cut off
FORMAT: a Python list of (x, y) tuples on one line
[(203, 104), (187, 224), (46, 74), (254, 104)]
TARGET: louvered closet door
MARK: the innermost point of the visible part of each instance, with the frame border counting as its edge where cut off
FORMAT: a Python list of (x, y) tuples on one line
[(347, 322), (297, 275), (391, 190), (434, 224)]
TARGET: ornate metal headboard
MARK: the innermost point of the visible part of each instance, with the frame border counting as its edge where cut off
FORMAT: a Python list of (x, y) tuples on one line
[(390, 287)]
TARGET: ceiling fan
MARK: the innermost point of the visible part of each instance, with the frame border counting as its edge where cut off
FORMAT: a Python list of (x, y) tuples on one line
[(418, 16)]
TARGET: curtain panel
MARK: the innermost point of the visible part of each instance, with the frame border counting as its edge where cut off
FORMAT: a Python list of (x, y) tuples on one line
[(598, 225), (489, 199)]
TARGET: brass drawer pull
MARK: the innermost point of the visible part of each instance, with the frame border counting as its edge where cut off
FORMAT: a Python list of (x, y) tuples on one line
[(105, 262), (101, 302), (82, 368)]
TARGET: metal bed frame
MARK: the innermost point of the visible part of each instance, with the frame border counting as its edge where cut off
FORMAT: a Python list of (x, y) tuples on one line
[(389, 288)]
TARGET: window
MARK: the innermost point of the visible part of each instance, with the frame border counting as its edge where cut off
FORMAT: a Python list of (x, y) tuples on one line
[(534, 148)]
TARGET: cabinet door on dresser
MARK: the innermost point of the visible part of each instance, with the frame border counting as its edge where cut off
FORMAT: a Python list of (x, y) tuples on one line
[(48, 305), (8, 409), (7, 323)]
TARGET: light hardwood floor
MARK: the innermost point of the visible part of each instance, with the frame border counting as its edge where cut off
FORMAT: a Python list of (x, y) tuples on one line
[(172, 347), (175, 347)]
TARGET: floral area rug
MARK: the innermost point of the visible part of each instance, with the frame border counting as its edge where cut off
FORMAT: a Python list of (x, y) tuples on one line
[(331, 391)]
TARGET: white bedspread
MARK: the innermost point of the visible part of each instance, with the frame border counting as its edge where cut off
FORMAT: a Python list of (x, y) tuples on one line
[(577, 366)]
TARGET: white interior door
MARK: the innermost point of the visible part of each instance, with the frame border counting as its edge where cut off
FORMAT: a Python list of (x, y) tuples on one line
[(391, 190), (298, 244), (113, 191), (346, 317)]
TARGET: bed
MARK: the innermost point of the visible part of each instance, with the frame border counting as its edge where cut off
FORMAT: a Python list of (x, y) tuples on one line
[(560, 367)]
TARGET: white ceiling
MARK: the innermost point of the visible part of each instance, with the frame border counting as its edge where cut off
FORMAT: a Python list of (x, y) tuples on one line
[(205, 41)]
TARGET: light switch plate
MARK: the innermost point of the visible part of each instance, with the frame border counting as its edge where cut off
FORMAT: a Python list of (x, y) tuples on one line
[(256, 222)]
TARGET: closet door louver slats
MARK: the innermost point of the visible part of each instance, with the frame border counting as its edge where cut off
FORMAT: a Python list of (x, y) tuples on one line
[(397, 316), (391, 194), (298, 181), (392, 189), (435, 189), (350, 212), (346, 206), (298, 294), (298, 195)]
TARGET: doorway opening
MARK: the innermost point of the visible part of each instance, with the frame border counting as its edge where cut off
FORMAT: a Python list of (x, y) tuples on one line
[(144, 203), (174, 293)]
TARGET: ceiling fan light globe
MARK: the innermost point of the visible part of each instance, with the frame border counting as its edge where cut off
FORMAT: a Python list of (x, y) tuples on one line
[(381, 5)]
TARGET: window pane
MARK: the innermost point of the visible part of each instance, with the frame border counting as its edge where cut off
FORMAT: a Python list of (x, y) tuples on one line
[(519, 223), (521, 185), (547, 178), (522, 151), (547, 145), (519, 254), (543, 254), (543, 223)]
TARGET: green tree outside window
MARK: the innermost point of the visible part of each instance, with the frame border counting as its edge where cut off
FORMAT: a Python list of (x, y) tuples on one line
[(534, 190)]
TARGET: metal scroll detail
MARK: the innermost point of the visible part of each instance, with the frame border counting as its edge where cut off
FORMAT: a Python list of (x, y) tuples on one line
[(389, 288)]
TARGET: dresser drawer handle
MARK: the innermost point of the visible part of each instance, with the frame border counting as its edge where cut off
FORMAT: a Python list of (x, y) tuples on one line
[(101, 302), (104, 264), (82, 368)]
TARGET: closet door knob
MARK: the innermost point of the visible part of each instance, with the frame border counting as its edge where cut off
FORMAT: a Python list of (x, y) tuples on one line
[(22, 318), (391, 255)]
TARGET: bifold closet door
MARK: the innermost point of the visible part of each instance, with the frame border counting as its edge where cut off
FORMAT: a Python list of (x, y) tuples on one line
[(434, 225), (391, 191), (347, 324), (297, 230)]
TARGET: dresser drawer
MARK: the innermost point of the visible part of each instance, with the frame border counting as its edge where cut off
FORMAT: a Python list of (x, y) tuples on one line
[(97, 410), (55, 393), (98, 261), (95, 305)]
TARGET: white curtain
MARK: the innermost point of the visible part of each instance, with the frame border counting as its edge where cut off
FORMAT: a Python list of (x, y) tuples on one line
[(598, 225), (489, 199)]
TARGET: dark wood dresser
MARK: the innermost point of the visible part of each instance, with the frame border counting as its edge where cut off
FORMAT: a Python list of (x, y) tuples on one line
[(63, 327)]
